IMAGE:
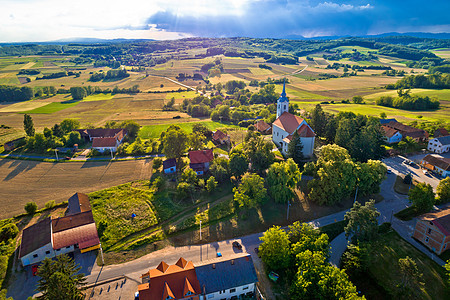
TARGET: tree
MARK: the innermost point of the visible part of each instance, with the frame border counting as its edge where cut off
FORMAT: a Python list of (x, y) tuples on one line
[(362, 220), (422, 197), (78, 93), (443, 191), (131, 126), (199, 128), (74, 138), (258, 151), (174, 142), (383, 115), (9, 231), (68, 125), (30, 208), (220, 169), (28, 125), (358, 99), (304, 236), (238, 164), (60, 279), (251, 191), (184, 189), (318, 120), (196, 141), (295, 149), (157, 163), (211, 184), (410, 272), (274, 249), (189, 176), (447, 269), (355, 260), (282, 178), (57, 131)]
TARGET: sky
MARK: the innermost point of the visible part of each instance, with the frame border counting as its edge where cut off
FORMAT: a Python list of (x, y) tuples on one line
[(48, 20)]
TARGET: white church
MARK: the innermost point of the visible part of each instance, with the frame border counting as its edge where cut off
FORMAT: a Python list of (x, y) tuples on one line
[(286, 124)]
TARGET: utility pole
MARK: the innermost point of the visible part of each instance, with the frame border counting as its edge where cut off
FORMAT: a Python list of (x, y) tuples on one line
[(112, 157), (56, 153), (356, 193), (289, 204), (200, 230), (101, 253)]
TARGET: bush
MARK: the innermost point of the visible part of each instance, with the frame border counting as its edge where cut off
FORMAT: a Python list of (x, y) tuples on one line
[(184, 189), (157, 163), (8, 231), (102, 227), (31, 208)]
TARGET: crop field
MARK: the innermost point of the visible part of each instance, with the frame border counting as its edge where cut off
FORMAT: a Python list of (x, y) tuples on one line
[(154, 131), (98, 97), (23, 181), (53, 107), (24, 106), (443, 94), (444, 53)]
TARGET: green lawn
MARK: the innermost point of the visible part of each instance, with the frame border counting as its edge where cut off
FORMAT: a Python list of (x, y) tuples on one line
[(384, 254), (10, 79), (53, 107), (154, 131), (98, 97), (181, 95), (443, 94)]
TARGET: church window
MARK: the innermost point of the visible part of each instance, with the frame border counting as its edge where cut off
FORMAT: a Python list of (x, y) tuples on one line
[(285, 107)]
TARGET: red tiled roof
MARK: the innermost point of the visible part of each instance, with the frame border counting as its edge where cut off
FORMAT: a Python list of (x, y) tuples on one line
[(406, 130), (170, 280), (440, 218), (201, 156), (262, 126), (219, 135), (104, 132), (389, 132), (288, 122), (79, 202), (104, 142), (441, 132), (35, 236), (68, 222), (440, 162), (85, 236), (305, 131)]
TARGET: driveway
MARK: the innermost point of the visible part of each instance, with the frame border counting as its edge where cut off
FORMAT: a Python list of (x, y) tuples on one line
[(399, 167)]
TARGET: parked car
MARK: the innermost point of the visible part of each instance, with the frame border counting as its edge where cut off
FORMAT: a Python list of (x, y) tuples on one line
[(34, 269), (237, 245), (389, 171), (425, 172), (219, 254)]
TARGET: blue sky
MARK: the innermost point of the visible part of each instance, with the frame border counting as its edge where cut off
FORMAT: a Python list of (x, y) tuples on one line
[(44, 20)]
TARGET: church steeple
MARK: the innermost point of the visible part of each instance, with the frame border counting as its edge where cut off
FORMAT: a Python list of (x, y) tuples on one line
[(283, 101)]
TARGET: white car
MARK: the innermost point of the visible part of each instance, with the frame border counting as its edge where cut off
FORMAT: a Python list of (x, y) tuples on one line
[(425, 172)]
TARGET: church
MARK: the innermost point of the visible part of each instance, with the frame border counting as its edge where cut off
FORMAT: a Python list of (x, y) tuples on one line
[(286, 124)]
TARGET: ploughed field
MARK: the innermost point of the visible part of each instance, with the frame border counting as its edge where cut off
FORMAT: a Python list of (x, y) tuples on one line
[(23, 181)]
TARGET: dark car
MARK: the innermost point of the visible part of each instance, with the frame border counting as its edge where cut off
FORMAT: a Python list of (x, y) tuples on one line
[(237, 245)]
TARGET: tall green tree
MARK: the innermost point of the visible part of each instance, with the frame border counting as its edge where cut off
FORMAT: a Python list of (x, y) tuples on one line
[(258, 151), (68, 125), (282, 178), (28, 125), (174, 141), (295, 149), (196, 141), (304, 236), (59, 279), (422, 197), (131, 126), (275, 248), (443, 191), (251, 191), (57, 131), (410, 274), (362, 220), (318, 120), (238, 164)]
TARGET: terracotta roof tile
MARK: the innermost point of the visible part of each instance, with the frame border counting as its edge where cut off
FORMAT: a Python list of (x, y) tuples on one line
[(104, 142), (305, 131), (84, 236), (389, 132), (35, 236), (219, 135), (72, 221), (440, 218), (79, 202), (442, 163), (167, 294), (262, 126), (288, 122), (201, 156)]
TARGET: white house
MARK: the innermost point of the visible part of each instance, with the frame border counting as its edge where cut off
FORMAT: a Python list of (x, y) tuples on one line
[(287, 124), (227, 279), (437, 164), (440, 144), (36, 243), (391, 135), (170, 166)]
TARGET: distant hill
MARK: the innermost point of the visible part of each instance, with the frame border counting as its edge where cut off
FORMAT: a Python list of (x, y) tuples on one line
[(428, 35), (80, 40)]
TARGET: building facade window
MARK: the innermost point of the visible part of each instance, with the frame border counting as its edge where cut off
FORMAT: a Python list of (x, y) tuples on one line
[(232, 290), (47, 252), (35, 255), (427, 239), (429, 231)]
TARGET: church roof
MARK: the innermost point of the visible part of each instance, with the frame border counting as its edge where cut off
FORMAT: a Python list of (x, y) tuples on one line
[(305, 131), (288, 122)]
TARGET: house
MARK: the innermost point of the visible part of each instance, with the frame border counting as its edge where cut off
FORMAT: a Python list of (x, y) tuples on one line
[(286, 124), (418, 135), (170, 166), (391, 135), (200, 160), (385, 121), (220, 137), (440, 144), (441, 132), (51, 237), (226, 279), (11, 145), (104, 139), (437, 164), (178, 281), (215, 102), (263, 127), (433, 230)]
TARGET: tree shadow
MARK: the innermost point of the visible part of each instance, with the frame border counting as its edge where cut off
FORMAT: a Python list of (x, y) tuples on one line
[(20, 166)]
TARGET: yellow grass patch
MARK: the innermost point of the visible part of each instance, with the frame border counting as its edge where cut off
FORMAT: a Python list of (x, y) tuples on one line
[(28, 65), (24, 106), (259, 71)]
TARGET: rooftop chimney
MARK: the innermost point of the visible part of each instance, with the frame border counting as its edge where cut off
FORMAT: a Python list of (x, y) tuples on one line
[(232, 261), (214, 266)]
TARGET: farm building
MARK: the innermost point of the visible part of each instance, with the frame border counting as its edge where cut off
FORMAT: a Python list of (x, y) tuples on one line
[(391, 135), (104, 139), (200, 160), (170, 166), (263, 127), (227, 279), (433, 230), (418, 135), (441, 132), (440, 144), (51, 237), (219, 137), (437, 164), (286, 124), (11, 145)]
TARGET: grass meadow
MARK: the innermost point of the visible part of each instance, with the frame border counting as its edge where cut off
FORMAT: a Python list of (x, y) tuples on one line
[(154, 131)]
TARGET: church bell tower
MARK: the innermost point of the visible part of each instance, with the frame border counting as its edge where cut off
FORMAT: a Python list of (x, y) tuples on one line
[(283, 102)]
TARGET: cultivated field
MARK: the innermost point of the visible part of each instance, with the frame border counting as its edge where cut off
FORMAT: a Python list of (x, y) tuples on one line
[(24, 181)]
